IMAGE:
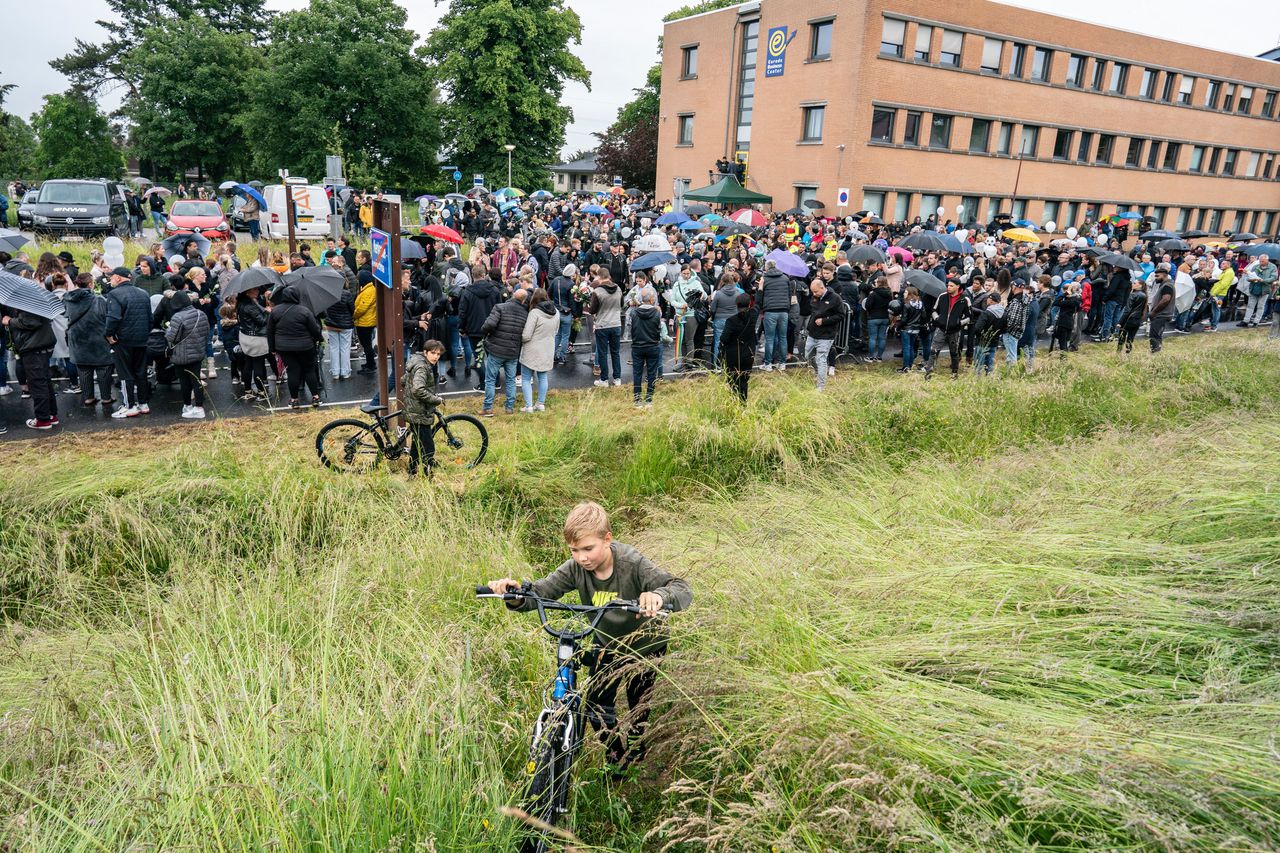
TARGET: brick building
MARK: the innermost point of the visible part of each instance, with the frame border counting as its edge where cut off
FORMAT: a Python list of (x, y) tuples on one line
[(914, 105)]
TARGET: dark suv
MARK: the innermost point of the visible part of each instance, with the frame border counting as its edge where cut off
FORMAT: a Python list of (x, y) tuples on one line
[(67, 208)]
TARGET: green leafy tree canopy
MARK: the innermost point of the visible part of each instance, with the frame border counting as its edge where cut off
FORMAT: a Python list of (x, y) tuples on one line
[(75, 140), (16, 141), (629, 147)]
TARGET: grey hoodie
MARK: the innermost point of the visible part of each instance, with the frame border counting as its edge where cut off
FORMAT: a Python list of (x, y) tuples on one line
[(606, 305)]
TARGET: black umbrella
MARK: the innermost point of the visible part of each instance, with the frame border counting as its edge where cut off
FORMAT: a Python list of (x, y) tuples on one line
[(319, 288), (813, 204), (924, 241), (1115, 259), (177, 244), (262, 278), (924, 282), (11, 241), (1242, 237), (635, 191), (1271, 250), (697, 209), (1160, 234), (23, 294), (1095, 251), (1173, 244), (867, 255), (873, 220), (735, 228), (649, 214), (861, 213), (410, 251), (1195, 232), (795, 211)]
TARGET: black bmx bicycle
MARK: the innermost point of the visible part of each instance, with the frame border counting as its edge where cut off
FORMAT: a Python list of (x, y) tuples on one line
[(557, 734), (350, 444)]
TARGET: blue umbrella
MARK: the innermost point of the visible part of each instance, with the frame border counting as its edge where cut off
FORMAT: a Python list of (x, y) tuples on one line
[(675, 217), (692, 225), (1025, 223), (249, 192), (594, 208), (541, 194), (411, 251), (788, 263), (649, 260), (508, 205), (955, 244)]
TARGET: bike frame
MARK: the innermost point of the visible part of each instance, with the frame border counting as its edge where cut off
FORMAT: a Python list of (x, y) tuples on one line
[(397, 447)]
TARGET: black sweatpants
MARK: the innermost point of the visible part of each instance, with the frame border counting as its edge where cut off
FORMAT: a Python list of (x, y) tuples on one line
[(131, 366), (364, 334), (189, 381), (40, 383), (301, 367), (609, 672), (1125, 339), (423, 446)]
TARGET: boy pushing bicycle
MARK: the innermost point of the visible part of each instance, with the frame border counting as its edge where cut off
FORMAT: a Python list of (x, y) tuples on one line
[(601, 570)]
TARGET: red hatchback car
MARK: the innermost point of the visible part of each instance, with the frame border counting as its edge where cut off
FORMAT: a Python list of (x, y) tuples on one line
[(197, 217)]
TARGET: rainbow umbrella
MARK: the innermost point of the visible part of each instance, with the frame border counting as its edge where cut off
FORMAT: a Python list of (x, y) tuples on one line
[(510, 192)]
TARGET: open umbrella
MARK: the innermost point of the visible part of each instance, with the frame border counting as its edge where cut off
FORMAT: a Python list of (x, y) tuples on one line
[(1184, 292), (541, 195), (1159, 234), (23, 294), (924, 282), (593, 209), (227, 185), (426, 197), (857, 235), (711, 219), (257, 185), (794, 211), (1094, 251), (1129, 214), (510, 192), (1024, 223), (11, 241), (442, 232), (647, 214), (697, 209), (456, 197), (924, 241), (812, 204), (140, 182), (261, 278), (508, 205), (176, 244), (747, 216), (872, 220), (649, 260), (160, 191), (635, 192), (955, 244), (249, 192), (675, 217), (319, 288), (867, 255), (1115, 259), (788, 263), (693, 225), (1194, 233), (475, 192), (651, 243), (410, 250), (1173, 244), (734, 229), (1271, 250), (616, 191), (1243, 237), (1020, 235), (903, 254)]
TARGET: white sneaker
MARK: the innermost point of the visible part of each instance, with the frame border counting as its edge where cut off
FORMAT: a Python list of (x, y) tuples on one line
[(617, 382), (541, 407), (600, 383), (185, 411), (193, 413), (527, 409), (144, 409), (768, 368), (782, 367), (831, 371), (125, 412), (5, 390)]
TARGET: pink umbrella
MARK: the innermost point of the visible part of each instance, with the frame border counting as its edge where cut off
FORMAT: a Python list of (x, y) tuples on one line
[(749, 217), (906, 256)]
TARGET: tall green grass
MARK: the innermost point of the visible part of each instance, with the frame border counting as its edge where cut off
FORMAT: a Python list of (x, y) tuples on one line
[(972, 615)]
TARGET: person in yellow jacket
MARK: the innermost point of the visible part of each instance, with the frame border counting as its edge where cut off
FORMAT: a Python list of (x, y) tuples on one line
[(366, 318), (366, 215), (1218, 293)]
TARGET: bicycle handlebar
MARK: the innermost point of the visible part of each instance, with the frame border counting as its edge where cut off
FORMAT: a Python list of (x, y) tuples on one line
[(597, 611)]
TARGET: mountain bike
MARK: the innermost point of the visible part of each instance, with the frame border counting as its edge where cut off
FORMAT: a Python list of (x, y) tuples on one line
[(350, 444), (557, 734)]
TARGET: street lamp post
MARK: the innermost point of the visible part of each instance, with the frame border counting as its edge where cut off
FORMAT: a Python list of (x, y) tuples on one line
[(509, 148)]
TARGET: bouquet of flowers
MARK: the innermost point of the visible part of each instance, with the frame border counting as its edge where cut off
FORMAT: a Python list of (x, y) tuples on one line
[(581, 293)]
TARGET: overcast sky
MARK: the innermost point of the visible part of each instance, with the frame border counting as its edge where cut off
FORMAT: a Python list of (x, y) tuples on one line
[(619, 40)]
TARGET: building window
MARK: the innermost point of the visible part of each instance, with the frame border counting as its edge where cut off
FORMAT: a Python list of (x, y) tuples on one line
[(1018, 63), (1153, 154), (1197, 158), (929, 205), (803, 194), (1119, 77), (1041, 63), (881, 125), (1086, 143), (1004, 140), (1266, 167), (1215, 221), (1246, 100), (980, 136), (747, 83), (1051, 214), (1159, 214), (873, 202), (820, 39), (952, 47), (1184, 89), (991, 50), (1229, 100), (970, 211), (686, 130), (1166, 94), (689, 62), (900, 205), (1099, 75), (1020, 209), (813, 118), (1171, 152), (924, 43), (1106, 144), (1070, 219), (1251, 171), (1201, 217), (911, 130), (1149, 76), (1075, 70), (1268, 104), (1268, 222), (892, 35), (1062, 144), (1134, 157), (1229, 161), (1211, 94), (1215, 156), (993, 207), (1183, 215), (1030, 140), (940, 131)]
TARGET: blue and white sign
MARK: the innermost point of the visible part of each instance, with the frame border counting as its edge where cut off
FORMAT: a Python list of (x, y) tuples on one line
[(457, 176), (617, 180), (381, 252), (842, 197), (477, 180), (775, 51)]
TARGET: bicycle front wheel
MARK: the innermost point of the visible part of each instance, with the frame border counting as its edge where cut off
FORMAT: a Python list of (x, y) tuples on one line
[(350, 445), (547, 796), (461, 441)]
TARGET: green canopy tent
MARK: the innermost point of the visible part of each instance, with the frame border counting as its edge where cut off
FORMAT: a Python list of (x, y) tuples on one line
[(727, 191)]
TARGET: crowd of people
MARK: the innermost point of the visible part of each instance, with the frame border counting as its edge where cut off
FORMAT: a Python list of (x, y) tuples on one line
[(534, 277)]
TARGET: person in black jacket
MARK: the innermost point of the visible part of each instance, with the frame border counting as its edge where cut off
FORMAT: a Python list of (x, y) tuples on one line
[(86, 337), (504, 334), (474, 306), (1118, 287), (128, 326), (738, 341), (32, 338), (1068, 305), (293, 332), (950, 317), (878, 319), (1132, 315), (646, 344), (251, 323), (825, 309)]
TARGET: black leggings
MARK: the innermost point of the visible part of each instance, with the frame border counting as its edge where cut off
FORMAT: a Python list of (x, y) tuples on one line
[(364, 334), (423, 446), (301, 366), (253, 372), (608, 673), (1062, 336), (189, 381), (1125, 340)]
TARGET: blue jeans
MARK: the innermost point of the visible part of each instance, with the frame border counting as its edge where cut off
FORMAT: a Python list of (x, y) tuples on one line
[(609, 349), (1215, 311), (255, 228), (910, 343), (1110, 313), (878, 336), (984, 359), (527, 378), (339, 351), (454, 343), (718, 326), (775, 337), (468, 351), (157, 219), (492, 365), (644, 365), (562, 335), (1010, 343)]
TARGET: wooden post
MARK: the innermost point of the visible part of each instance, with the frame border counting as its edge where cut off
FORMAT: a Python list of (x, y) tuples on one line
[(290, 211), (390, 305)]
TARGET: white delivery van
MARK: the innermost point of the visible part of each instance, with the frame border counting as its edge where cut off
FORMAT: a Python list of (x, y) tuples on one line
[(311, 211)]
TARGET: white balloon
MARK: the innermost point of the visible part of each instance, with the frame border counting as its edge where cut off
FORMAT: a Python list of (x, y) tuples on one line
[(1081, 242), (961, 234), (959, 210), (1051, 226), (989, 250), (114, 260), (113, 246), (942, 211), (1072, 232)]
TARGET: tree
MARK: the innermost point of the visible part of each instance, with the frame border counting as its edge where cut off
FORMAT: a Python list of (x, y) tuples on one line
[(93, 68), (188, 113), (504, 65), (75, 140), (629, 146), (16, 141), (364, 94)]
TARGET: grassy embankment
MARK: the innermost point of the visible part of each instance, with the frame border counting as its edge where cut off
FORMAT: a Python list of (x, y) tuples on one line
[(973, 615)]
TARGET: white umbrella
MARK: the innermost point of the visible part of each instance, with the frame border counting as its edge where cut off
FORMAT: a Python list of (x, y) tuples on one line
[(651, 243), (227, 185), (1184, 292), (160, 191)]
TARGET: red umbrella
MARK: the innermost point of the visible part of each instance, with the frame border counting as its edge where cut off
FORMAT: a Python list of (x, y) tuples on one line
[(750, 217), (442, 232)]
